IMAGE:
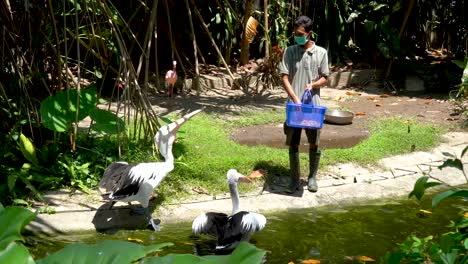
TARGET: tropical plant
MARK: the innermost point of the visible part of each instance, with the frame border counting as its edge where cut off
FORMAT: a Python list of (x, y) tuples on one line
[(451, 247)]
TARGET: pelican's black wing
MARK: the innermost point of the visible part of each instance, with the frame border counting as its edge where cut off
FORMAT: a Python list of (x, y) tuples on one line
[(210, 224), (117, 180)]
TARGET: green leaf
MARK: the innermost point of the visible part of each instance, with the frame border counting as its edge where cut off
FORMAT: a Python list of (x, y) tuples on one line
[(459, 63), (379, 6), (59, 111), (11, 181), (109, 251), (12, 221), (447, 194), (456, 163), (106, 122), (15, 253), (183, 258), (246, 253), (464, 151), (28, 149), (420, 187)]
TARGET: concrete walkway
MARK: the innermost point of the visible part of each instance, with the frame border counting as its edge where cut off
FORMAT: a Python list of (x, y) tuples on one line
[(345, 183)]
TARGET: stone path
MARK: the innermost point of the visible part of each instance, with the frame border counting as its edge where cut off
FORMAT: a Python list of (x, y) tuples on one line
[(344, 183)]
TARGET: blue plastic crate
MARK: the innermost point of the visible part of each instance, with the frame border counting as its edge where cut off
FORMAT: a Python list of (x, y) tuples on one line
[(305, 115)]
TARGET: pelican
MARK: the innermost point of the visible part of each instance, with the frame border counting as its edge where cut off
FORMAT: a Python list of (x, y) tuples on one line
[(135, 182), (230, 230)]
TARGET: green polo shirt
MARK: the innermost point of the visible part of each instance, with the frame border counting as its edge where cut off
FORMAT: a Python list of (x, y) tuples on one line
[(304, 67)]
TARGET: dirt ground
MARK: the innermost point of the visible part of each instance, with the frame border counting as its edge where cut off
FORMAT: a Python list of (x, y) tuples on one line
[(367, 104)]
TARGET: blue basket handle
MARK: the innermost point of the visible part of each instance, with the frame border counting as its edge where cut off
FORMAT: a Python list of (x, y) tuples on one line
[(307, 97)]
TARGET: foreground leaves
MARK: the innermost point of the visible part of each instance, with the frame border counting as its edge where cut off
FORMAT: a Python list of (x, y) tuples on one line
[(108, 251), (245, 253), (13, 220)]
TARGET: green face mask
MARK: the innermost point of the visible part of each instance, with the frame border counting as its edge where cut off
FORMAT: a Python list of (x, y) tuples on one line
[(300, 40)]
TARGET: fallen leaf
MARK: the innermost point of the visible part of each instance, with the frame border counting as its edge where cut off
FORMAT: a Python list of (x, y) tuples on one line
[(465, 214), (425, 211), (364, 258), (407, 121), (384, 95), (310, 261), (352, 93), (257, 174), (378, 105), (360, 113), (371, 98), (451, 119), (376, 100), (135, 240), (419, 115), (338, 98), (428, 102), (427, 97), (360, 258), (200, 190)]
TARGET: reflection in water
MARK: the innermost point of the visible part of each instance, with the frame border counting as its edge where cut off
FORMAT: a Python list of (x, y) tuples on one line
[(331, 234)]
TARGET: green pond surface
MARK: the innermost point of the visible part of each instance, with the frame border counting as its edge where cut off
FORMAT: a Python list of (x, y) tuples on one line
[(331, 234)]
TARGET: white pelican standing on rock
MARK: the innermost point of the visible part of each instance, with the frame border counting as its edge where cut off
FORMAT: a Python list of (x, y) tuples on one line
[(230, 230), (136, 182)]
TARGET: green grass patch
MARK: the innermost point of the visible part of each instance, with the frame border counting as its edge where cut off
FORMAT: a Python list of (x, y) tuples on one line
[(388, 137), (204, 151)]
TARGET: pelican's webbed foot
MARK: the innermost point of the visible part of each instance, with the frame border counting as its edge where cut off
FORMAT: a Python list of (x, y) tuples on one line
[(153, 224)]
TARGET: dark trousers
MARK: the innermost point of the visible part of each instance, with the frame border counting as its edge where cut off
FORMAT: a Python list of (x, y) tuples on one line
[(293, 136)]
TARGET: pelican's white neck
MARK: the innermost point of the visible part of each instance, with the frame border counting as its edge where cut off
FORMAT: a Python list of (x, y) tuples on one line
[(234, 197)]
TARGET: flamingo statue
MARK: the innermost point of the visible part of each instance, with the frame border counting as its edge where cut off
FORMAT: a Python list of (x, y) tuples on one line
[(135, 182), (171, 78), (230, 230)]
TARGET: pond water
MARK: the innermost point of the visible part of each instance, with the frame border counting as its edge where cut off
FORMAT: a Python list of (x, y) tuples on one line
[(331, 234)]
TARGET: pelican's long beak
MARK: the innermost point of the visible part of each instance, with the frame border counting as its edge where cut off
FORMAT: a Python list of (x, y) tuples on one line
[(166, 135), (174, 126), (244, 179)]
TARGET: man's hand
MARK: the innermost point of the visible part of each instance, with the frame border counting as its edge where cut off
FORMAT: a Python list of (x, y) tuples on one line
[(311, 86), (296, 100)]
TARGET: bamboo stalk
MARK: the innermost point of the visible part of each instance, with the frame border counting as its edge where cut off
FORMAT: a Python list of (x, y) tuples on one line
[(148, 39), (196, 79), (267, 38), (78, 86), (173, 48), (211, 38)]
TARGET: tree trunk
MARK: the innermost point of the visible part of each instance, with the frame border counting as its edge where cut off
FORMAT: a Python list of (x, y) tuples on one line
[(244, 57)]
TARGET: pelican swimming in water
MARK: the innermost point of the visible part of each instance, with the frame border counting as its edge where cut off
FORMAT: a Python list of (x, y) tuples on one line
[(135, 182), (230, 230)]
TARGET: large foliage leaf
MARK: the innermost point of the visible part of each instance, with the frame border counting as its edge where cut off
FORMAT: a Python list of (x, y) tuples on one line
[(451, 193), (59, 111), (106, 122), (109, 251), (183, 258), (12, 221), (420, 187), (245, 253), (15, 253)]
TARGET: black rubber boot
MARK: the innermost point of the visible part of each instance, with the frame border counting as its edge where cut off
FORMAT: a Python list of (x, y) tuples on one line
[(314, 160), (294, 171)]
